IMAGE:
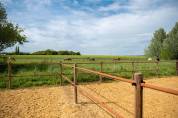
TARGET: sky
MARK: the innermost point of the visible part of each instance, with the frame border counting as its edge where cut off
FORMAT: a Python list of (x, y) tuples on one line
[(105, 27)]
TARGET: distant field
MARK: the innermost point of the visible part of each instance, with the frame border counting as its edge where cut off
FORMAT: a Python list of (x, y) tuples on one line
[(31, 74), (75, 58)]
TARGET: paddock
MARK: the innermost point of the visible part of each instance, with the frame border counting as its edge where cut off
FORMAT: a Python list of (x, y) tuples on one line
[(58, 101)]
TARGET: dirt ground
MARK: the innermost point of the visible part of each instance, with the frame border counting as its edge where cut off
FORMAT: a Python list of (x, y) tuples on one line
[(58, 102)]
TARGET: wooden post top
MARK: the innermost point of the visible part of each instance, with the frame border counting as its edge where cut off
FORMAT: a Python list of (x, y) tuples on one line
[(140, 75)]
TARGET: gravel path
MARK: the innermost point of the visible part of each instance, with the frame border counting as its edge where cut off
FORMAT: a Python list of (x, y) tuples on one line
[(58, 102)]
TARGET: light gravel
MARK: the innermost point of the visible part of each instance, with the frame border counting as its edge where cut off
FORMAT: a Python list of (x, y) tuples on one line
[(58, 101)]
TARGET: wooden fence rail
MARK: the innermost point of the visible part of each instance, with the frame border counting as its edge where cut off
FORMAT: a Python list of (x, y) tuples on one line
[(137, 82), (94, 99), (10, 64)]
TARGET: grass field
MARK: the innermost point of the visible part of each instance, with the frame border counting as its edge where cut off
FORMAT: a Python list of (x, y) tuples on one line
[(57, 58), (29, 74)]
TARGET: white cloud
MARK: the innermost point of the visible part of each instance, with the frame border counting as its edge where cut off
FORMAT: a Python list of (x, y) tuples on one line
[(36, 4), (124, 33), (112, 7)]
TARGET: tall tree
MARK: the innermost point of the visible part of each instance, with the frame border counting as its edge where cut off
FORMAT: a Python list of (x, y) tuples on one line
[(155, 47), (10, 34), (170, 46), (17, 50), (3, 15)]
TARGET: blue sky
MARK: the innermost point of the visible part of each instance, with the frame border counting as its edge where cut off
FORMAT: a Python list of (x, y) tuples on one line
[(107, 27)]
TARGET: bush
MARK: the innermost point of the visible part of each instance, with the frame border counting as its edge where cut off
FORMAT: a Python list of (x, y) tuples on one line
[(53, 52), (68, 53)]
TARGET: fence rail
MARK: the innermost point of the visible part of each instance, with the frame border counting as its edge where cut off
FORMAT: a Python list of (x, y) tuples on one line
[(137, 82), (163, 89), (159, 88), (110, 62), (133, 70)]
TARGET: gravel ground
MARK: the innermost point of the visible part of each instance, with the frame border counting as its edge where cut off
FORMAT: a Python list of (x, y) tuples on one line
[(58, 102)]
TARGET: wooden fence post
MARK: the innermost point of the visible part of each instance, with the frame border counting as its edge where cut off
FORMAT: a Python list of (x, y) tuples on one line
[(133, 69), (138, 77), (75, 84), (157, 69), (9, 72), (177, 67), (114, 66), (61, 72), (101, 70)]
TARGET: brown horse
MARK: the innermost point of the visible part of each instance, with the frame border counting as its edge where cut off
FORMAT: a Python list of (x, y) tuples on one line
[(116, 59), (68, 59), (91, 59)]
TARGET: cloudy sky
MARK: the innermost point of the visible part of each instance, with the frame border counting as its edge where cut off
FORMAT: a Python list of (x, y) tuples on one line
[(116, 27)]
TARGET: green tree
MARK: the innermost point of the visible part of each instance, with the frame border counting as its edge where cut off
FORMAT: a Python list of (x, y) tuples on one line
[(10, 34), (3, 15), (170, 46), (155, 47), (17, 50)]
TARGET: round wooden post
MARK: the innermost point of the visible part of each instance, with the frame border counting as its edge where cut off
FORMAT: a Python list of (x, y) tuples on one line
[(101, 70), (138, 77), (133, 69), (75, 84), (61, 72), (9, 72)]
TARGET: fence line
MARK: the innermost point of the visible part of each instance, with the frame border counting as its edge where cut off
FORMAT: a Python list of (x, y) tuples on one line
[(9, 63), (92, 98), (31, 63), (101, 104), (137, 82), (163, 89)]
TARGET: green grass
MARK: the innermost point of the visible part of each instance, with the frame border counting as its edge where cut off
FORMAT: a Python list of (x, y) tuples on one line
[(57, 58), (21, 67)]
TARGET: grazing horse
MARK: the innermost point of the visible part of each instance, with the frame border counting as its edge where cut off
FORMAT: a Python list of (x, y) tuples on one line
[(91, 59), (116, 59), (149, 59), (68, 59)]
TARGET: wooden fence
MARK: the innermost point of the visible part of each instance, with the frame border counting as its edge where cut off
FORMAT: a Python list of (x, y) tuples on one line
[(137, 82), (101, 64), (10, 63)]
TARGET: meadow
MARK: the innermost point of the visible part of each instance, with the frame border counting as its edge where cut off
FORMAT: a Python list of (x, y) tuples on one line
[(36, 70)]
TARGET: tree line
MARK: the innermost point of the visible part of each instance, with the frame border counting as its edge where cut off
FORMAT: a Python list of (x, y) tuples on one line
[(44, 52), (164, 45), (53, 52)]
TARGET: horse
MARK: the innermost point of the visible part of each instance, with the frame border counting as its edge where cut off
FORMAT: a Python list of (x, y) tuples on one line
[(68, 59)]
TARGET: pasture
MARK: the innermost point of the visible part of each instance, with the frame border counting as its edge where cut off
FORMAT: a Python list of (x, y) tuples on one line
[(37, 70)]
